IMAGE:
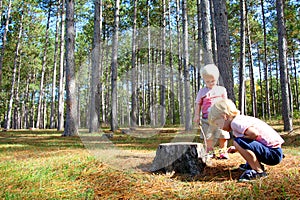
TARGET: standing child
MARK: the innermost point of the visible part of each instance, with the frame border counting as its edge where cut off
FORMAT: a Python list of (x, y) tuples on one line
[(255, 140), (206, 97)]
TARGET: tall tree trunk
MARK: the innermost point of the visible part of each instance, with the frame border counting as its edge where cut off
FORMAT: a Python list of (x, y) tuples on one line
[(163, 66), (4, 39), (297, 100), (282, 45), (149, 61), (199, 43), (133, 113), (61, 105), (172, 93), (181, 103), (213, 32), (1, 7), (188, 121), (261, 83), (44, 60), (265, 61), (206, 33), (52, 114), (223, 46), (242, 57), (94, 121), (114, 69), (251, 69), (13, 79), (71, 128)]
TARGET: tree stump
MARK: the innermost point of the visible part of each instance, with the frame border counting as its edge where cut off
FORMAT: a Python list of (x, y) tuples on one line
[(180, 157)]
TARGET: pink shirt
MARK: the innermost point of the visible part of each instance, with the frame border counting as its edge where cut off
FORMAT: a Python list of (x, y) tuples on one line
[(267, 135), (207, 97)]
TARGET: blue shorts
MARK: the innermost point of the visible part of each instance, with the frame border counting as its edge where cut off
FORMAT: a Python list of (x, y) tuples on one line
[(264, 154)]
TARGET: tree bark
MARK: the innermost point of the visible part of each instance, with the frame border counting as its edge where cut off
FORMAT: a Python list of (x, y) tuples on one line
[(265, 61), (71, 128), (188, 121), (282, 45), (39, 124), (52, 114), (206, 33), (114, 69), (4, 39), (223, 46), (242, 58), (133, 113), (13, 79), (60, 114), (94, 121)]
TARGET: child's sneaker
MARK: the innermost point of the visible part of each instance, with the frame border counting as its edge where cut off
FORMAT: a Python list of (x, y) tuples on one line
[(246, 166), (251, 174)]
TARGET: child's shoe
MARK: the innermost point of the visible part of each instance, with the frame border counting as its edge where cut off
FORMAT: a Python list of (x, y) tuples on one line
[(251, 174), (246, 166)]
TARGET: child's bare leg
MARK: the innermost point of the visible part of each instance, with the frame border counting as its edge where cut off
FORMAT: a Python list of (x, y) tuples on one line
[(250, 157), (209, 144), (223, 143)]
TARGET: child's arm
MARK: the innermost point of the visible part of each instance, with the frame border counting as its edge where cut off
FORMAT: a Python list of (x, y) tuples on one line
[(251, 133), (197, 113)]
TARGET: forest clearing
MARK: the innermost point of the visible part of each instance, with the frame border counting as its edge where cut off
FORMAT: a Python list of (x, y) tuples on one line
[(41, 164)]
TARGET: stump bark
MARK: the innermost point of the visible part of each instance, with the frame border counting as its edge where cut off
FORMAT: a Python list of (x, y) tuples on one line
[(180, 157)]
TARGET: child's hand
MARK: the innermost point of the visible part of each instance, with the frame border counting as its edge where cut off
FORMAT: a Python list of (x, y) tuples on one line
[(231, 149), (197, 119)]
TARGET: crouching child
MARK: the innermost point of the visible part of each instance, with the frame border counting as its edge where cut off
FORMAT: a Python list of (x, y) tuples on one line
[(255, 140)]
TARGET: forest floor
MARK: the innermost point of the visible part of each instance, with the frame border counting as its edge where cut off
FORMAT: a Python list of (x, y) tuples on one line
[(41, 164)]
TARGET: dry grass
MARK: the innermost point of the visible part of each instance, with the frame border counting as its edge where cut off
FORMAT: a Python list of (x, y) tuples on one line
[(43, 165)]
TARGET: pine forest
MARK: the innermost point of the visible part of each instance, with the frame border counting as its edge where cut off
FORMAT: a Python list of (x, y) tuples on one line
[(72, 65)]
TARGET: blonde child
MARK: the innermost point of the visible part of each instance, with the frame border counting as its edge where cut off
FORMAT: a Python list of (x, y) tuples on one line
[(206, 97), (255, 140)]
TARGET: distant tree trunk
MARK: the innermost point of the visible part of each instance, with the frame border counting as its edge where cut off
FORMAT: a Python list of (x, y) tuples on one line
[(44, 60), (94, 122), (114, 69), (172, 93), (1, 7), (4, 39), (181, 103), (296, 85), (261, 83), (213, 33), (26, 103), (251, 69), (163, 65), (52, 114), (17, 115), (149, 61), (13, 79), (199, 43), (133, 113), (282, 45), (265, 61), (223, 46), (188, 121), (242, 57), (60, 114), (71, 128), (206, 33)]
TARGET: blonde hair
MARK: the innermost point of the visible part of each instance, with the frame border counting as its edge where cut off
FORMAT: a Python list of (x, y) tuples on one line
[(210, 70), (224, 106)]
